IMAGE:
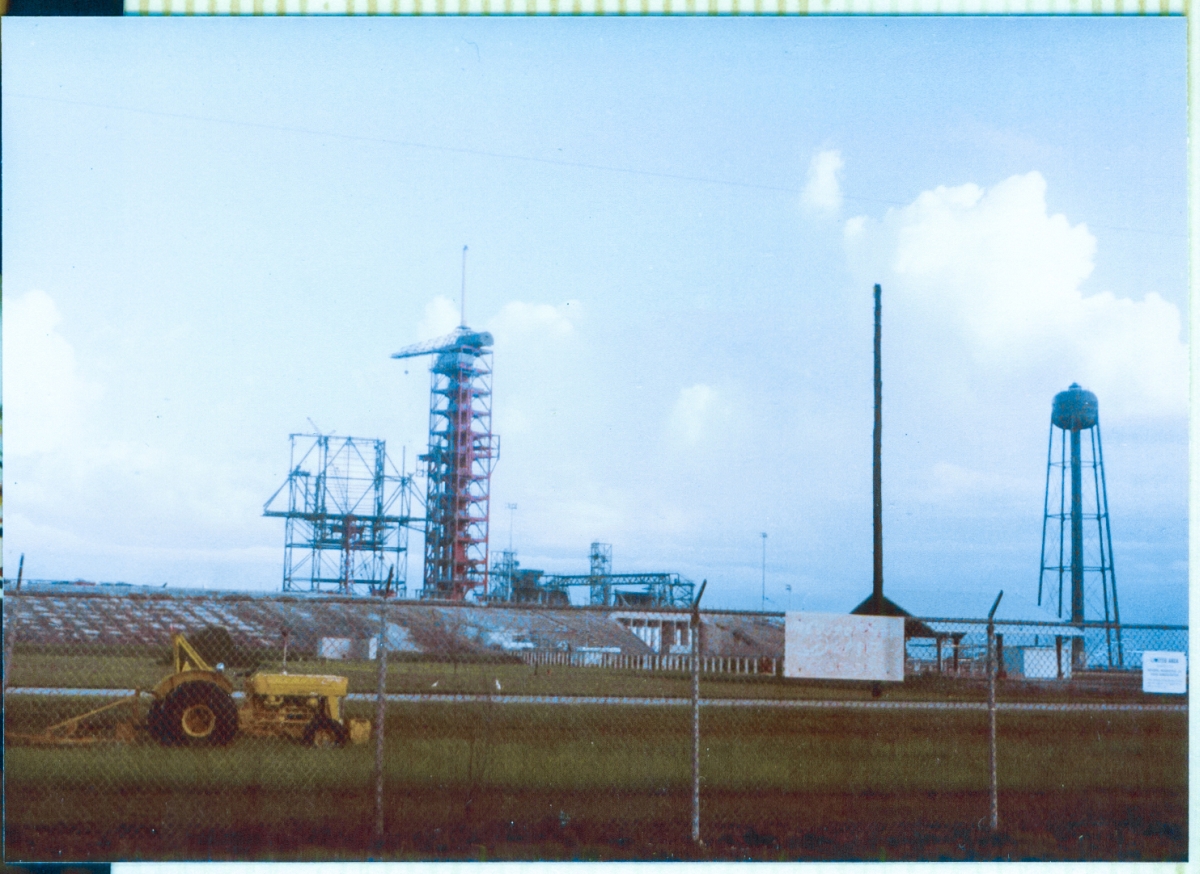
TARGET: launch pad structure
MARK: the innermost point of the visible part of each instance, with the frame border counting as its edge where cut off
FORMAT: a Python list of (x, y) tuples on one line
[(347, 516), (462, 452), (512, 583), (347, 510)]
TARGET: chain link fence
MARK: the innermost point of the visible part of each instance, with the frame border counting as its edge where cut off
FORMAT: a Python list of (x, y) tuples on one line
[(292, 727), (1038, 650)]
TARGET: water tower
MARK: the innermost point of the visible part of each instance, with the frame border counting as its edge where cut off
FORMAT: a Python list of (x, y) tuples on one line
[(1076, 536)]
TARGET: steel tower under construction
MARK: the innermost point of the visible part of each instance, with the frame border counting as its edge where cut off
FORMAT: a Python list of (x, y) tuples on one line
[(462, 453), (347, 512)]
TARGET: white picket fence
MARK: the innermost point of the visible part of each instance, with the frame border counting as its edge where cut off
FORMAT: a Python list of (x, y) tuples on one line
[(652, 662)]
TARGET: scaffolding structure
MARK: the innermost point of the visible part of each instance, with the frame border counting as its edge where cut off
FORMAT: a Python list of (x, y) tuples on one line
[(600, 584), (347, 510), (502, 575), (1076, 536), (462, 453), (512, 583), (629, 590)]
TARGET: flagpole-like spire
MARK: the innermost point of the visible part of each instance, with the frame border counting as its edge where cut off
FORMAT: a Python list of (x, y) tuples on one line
[(462, 295)]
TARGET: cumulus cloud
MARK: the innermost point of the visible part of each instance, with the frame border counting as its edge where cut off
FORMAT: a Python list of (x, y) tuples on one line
[(441, 317), (822, 190), (692, 412), (519, 319), (46, 398), (991, 274)]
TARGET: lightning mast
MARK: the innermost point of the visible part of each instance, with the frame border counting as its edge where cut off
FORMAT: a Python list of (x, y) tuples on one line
[(462, 453)]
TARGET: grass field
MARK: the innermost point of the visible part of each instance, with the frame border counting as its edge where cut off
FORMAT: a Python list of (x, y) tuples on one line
[(536, 781)]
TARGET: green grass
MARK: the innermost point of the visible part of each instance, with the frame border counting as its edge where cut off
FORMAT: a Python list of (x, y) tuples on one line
[(633, 748), (463, 767)]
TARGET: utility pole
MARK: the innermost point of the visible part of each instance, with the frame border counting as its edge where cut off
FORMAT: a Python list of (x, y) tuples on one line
[(876, 473)]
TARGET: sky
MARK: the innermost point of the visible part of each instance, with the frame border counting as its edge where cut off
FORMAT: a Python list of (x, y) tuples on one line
[(216, 233)]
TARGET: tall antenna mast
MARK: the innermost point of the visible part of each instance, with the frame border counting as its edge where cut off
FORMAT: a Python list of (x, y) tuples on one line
[(462, 297)]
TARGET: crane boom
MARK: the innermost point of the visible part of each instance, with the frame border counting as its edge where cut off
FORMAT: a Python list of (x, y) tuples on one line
[(460, 337)]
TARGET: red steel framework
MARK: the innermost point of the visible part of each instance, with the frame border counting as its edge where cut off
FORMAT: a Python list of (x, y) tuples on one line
[(462, 454)]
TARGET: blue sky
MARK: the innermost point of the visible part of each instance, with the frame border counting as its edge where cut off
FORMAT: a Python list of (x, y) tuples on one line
[(217, 230)]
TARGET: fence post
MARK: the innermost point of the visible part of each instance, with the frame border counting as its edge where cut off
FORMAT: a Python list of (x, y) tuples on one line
[(380, 710), (991, 672), (10, 634), (696, 716)]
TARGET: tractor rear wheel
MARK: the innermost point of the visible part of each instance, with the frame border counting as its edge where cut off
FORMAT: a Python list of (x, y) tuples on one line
[(194, 714), (324, 733)]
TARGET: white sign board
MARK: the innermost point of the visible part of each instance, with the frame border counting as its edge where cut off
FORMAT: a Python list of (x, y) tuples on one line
[(1164, 672), (836, 646), (333, 648), (1044, 662)]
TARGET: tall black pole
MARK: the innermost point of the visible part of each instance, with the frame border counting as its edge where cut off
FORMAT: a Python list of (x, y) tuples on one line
[(695, 641), (877, 478)]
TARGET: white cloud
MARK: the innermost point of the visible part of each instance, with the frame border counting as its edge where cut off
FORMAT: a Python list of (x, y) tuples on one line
[(47, 400), (692, 413), (441, 317), (991, 276), (79, 490), (518, 319), (822, 190)]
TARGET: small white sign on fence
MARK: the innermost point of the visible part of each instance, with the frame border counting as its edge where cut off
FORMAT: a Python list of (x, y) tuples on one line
[(835, 646), (333, 648), (1164, 672)]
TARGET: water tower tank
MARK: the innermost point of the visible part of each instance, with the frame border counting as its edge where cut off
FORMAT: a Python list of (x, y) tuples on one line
[(1075, 409)]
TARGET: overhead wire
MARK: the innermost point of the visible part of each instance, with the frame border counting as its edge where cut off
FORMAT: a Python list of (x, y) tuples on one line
[(511, 156)]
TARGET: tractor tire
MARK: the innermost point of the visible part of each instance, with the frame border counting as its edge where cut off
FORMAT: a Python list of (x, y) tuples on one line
[(324, 733), (156, 725), (194, 714)]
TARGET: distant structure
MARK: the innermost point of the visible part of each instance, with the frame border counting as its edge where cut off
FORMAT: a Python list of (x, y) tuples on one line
[(605, 589), (462, 453), (600, 579), (1076, 536), (347, 509)]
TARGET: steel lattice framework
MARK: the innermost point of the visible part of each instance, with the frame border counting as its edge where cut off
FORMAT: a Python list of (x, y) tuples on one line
[(347, 515), (1079, 546), (600, 585), (628, 590), (462, 453), (513, 583)]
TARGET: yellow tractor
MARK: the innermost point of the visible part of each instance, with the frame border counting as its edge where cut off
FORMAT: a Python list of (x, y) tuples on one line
[(194, 706)]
